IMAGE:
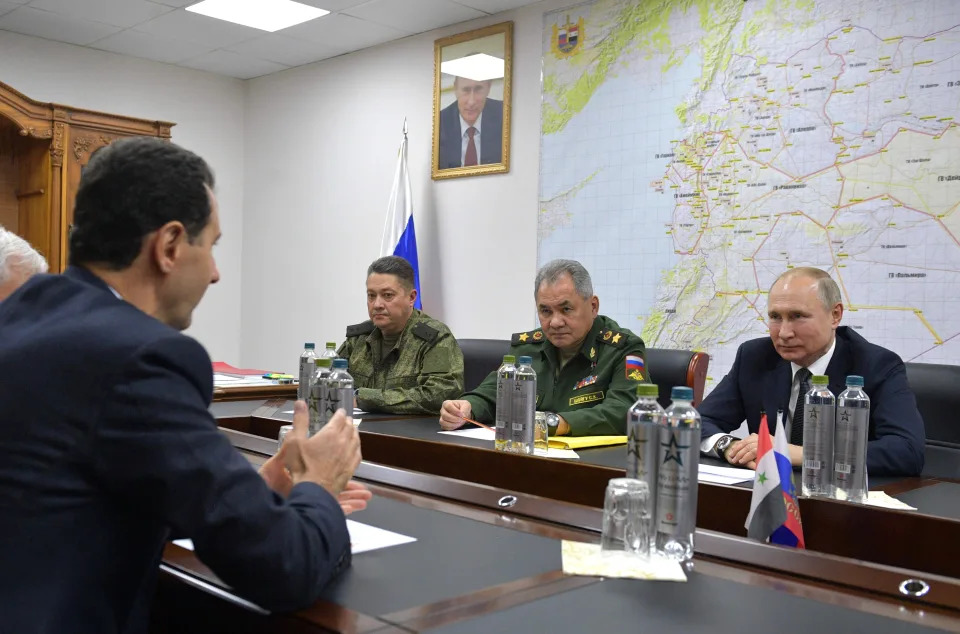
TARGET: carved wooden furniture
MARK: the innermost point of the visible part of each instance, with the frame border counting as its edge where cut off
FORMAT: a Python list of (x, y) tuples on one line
[(43, 148)]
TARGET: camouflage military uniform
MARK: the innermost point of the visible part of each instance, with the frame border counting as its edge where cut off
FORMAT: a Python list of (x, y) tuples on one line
[(594, 389), (423, 369)]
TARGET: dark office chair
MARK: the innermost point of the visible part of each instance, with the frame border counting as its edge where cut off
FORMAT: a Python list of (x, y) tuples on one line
[(937, 388), (668, 368), (480, 358)]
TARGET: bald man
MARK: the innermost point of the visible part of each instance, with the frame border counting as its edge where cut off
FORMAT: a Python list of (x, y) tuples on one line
[(18, 263)]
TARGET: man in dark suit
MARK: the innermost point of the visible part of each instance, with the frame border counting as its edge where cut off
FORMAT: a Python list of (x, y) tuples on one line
[(471, 128), (806, 338), (106, 444)]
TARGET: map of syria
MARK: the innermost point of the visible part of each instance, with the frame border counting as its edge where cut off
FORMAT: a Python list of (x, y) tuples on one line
[(694, 150)]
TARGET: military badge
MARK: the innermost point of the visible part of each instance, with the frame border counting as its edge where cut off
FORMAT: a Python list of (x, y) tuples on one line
[(523, 337), (635, 367), (607, 335), (567, 38), (537, 336), (585, 381), (593, 352)]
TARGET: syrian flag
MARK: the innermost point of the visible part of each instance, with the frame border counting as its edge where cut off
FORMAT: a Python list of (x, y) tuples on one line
[(774, 513)]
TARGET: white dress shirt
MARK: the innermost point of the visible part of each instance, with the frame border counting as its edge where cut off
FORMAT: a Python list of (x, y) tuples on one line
[(817, 367), (465, 138)]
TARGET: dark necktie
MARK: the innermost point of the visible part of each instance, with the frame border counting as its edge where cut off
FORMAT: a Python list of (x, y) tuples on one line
[(796, 427), (470, 158)]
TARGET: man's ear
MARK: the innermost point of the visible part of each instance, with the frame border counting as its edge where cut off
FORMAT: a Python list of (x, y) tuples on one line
[(413, 296), (167, 245)]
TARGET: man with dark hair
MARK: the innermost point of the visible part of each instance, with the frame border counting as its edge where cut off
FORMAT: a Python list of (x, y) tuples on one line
[(113, 448), (587, 366), (471, 128), (402, 361), (772, 373)]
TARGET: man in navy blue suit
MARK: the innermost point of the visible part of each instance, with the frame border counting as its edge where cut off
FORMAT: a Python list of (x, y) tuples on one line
[(106, 444), (804, 312), (471, 128)]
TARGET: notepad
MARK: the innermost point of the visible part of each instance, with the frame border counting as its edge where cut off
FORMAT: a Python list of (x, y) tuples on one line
[(586, 442)]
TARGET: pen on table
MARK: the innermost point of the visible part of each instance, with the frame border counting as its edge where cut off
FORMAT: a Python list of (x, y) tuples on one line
[(476, 422)]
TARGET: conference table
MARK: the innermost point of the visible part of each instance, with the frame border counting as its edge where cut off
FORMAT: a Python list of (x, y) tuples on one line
[(487, 558)]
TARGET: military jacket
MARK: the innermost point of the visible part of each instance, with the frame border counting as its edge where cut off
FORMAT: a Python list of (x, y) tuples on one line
[(424, 368), (594, 389)]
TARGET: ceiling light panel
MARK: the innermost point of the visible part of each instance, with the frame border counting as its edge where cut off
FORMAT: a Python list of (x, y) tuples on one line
[(267, 15)]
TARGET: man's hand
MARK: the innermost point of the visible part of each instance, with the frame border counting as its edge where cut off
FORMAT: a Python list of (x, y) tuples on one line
[(329, 458), (354, 497), (276, 474), (452, 414), (743, 453)]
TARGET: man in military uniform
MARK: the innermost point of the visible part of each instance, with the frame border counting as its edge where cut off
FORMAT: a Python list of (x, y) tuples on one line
[(402, 361), (587, 366)]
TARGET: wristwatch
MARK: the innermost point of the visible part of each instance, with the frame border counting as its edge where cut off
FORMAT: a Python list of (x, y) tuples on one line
[(553, 421), (721, 446)]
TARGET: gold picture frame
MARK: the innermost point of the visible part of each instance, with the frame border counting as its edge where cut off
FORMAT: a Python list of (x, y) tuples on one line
[(471, 111)]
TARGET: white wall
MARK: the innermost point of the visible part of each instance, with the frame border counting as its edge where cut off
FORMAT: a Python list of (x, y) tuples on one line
[(208, 111), (321, 143)]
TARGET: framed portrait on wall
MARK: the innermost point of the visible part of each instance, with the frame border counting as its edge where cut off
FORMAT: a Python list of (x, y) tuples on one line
[(471, 102)]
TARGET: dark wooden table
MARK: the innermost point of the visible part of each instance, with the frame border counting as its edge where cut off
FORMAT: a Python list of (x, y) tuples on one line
[(478, 566), (905, 539)]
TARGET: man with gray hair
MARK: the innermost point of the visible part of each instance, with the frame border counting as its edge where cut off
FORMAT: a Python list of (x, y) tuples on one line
[(587, 366), (18, 262), (772, 374)]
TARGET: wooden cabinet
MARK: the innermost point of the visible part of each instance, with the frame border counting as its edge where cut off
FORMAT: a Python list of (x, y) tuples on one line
[(43, 148)]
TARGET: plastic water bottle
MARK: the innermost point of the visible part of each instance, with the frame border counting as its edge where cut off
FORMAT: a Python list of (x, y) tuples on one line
[(524, 407), (307, 364), (850, 442), (339, 390), (646, 423), (819, 411), (677, 477), (316, 402), (329, 351), (506, 378)]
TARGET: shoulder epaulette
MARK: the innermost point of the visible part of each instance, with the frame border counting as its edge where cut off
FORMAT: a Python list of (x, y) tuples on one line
[(360, 329), (532, 336), (425, 332), (613, 338)]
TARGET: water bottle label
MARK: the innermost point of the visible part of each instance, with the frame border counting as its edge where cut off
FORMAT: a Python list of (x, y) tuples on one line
[(840, 467), (813, 464)]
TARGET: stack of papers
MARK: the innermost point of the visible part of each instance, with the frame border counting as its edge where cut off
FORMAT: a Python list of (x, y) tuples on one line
[(588, 559), (724, 475)]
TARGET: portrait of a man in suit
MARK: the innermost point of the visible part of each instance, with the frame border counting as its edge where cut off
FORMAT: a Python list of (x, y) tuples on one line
[(471, 102), (471, 128)]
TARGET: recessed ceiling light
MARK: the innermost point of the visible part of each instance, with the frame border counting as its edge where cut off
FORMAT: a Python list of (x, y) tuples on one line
[(267, 15), (478, 67)]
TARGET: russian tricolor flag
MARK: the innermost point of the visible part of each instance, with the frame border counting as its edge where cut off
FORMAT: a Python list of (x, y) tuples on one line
[(774, 513), (399, 237)]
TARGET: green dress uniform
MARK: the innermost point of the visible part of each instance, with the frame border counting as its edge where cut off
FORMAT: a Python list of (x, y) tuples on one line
[(422, 370), (592, 392)]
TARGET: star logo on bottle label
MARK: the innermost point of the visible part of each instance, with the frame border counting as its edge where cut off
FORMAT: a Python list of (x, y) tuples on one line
[(673, 450)]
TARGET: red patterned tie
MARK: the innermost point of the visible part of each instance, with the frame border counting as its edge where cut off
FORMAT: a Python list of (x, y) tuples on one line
[(470, 158)]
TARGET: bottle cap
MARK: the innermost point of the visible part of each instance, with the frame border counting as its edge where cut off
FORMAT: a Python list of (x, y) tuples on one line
[(648, 389), (854, 380), (525, 360), (324, 362), (331, 345), (308, 346), (509, 358), (339, 364), (681, 393), (819, 379)]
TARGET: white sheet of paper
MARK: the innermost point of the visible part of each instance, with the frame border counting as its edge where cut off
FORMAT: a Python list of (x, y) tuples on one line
[(477, 432), (356, 411), (561, 454), (724, 475), (363, 537), (223, 380)]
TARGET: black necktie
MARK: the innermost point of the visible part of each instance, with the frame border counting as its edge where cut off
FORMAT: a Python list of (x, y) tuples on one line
[(796, 427)]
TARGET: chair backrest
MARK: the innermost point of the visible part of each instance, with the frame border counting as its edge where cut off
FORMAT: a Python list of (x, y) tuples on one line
[(668, 368), (937, 388), (480, 358)]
